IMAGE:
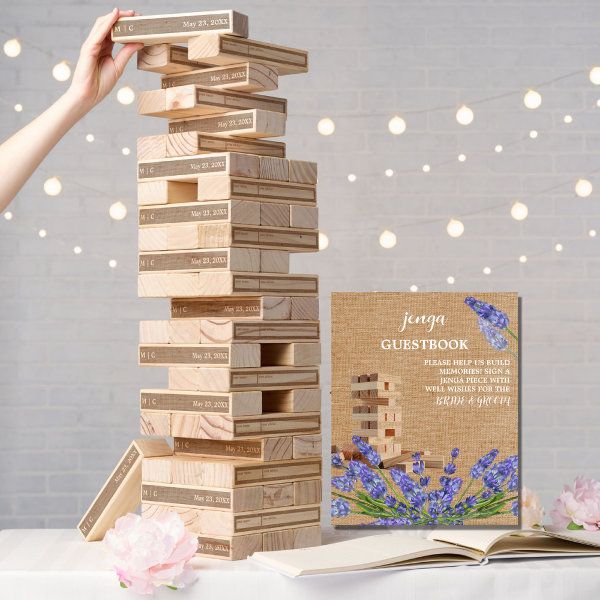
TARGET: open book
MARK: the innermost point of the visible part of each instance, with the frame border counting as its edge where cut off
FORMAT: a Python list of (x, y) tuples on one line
[(441, 548)]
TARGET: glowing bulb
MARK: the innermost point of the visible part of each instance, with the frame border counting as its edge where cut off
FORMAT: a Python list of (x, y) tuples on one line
[(389, 172), (125, 95), (583, 188), (387, 239), (18, 107), (450, 279), (558, 247), (486, 270), (125, 151), (533, 134), (52, 186), (326, 126), (498, 148), (532, 99), (455, 228), (352, 178), (568, 119), (397, 125), (522, 258), (89, 137), (8, 215), (42, 233), (519, 211), (594, 75), (592, 233), (426, 168), (61, 71), (464, 115), (414, 288), (462, 157), (598, 102), (323, 241), (117, 211), (112, 263), (77, 250), (12, 48)]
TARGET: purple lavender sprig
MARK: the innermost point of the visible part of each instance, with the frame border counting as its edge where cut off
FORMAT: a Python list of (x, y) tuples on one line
[(495, 317)]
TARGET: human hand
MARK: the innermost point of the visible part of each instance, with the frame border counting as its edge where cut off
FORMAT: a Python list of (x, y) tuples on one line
[(97, 71)]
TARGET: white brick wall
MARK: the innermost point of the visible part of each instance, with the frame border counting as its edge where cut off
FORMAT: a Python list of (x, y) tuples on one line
[(68, 324)]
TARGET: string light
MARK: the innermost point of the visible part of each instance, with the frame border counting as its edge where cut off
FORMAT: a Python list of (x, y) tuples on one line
[(112, 263), (455, 228), (522, 258), (117, 211), (568, 119), (558, 247), (414, 288), (323, 241), (389, 172), (90, 137), (519, 211), (12, 48), (533, 134), (326, 126), (387, 239), (595, 75), (52, 186), (532, 99), (498, 148), (18, 107), (61, 71), (397, 125), (42, 233), (486, 270), (77, 250), (125, 95), (583, 188), (592, 233), (464, 115), (351, 177), (8, 215), (426, 168), (462, 157), (450, 280), (125, 151)]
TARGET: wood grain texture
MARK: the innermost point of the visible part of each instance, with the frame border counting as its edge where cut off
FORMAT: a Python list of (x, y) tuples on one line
[(228, 211), (217, 49), (272, 168), (274, 261), (302, 171), (292, 539), (305, 308), (152, 238), (297, 354), (277, 215), (165, 192), (194, 261), (151, 147), (206, 355), (224, 331), (292, 401), (307, 492), (304, 216), (261, 449), (258, 308), (167, 59), (306, 446), (155, 423)]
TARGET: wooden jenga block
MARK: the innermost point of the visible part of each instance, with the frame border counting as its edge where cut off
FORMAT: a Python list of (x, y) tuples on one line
[(178, 27), (225, 472), (120, 492), (238, 547), (292, 539), (306, 446), (177, 331), (221, 186), (377, 413), (193, 100), (165, 192), (382, 377), (155, 423), (308, 492), (223, 331), (190, 168), (305, 308), (152, 238), (274, 261), (277, 215), (382, 433), (254, 124), (167, 59), (224, 427), (300, 400), (265, 450), (258, 308), (302, 354), (229, 211), (217, 49), (368, 386), (189, 143), (217, 379), (218, 355), (150, 147), (272, 168), (244, 77), (231, 403), (302, 171), (304, 216)]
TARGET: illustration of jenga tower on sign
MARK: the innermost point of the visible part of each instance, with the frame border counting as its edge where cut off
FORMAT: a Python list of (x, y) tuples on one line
[(221, 209)]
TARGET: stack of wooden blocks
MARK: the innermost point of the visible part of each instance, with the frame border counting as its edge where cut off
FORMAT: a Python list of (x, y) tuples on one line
[(221, 209)]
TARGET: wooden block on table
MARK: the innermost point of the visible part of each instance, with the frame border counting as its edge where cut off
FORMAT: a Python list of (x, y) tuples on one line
[(305, 308), (257, 308), (193, 261), (292, 539), (253, 124), (206, 355), (167, 59), (297, 354), (221, 186), (228, 211), (274, 261), (225, 283), (225, 427), (276, 215), (306, 446), (265, 450), (223, 331), (120, 493), (217, 49), (165, 192), (230, 403), (274, 168), (304, 216), (244, 77), (190, 168), (215, 379), (155, 423), (292, 401), (302, 171), (224, 472), (178, 27), (193, 101)]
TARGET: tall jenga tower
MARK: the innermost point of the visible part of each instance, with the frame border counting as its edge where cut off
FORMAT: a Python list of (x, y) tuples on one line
[(221, 209)]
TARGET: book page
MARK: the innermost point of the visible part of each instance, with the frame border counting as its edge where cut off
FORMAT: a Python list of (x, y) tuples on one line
[(478, 539)]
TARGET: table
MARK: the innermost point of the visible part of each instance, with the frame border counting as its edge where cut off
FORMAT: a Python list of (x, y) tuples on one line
[(53, 564)]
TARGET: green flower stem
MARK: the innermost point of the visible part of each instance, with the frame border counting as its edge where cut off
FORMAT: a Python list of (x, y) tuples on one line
[(511, 333), (465, 490), (512, 353)]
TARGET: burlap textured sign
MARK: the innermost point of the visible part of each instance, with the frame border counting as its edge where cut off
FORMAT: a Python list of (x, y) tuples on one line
[(425, 409)]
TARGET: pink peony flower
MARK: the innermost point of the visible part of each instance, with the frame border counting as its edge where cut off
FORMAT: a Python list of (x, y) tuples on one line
[(532, 511), (579, 505), (148, 553)]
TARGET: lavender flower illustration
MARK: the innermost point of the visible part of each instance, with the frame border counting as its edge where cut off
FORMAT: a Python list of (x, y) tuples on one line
[(491, 321), (362, 488)]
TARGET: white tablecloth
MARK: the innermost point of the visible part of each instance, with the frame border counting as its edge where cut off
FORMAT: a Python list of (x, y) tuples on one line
[(56, 564)]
